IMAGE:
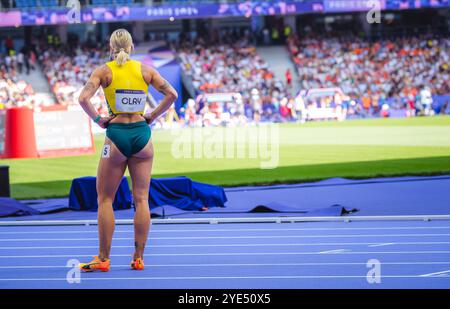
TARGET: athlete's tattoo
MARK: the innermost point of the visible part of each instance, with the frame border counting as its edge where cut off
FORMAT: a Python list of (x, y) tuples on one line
[(139, 246), (164, 87), (89, 89)]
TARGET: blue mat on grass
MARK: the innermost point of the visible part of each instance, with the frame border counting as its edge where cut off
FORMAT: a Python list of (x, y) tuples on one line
[(48, 206), (380, 196), (11, 207), (260, 210), (184, 194), (167, 196), (179, 192), (83, 195)]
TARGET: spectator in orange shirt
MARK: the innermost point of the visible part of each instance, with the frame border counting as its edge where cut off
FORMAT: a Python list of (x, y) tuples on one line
[(366, 102)]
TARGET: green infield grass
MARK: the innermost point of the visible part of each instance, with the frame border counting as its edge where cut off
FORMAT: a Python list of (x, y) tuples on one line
[(297, 152)]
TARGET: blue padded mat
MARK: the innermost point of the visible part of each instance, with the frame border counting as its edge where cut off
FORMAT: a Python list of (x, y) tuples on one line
[(381, 196), (11, 207)]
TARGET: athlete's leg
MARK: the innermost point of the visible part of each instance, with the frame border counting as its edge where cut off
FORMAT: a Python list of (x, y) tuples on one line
[(109, 175), (140, 167)]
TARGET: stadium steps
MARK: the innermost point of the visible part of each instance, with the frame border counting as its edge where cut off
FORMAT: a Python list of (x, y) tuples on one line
[(279, 61), (40, 86)]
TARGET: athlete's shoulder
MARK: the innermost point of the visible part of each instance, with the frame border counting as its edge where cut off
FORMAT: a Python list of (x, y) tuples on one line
[(147, 72), (145, 66), (103, 73), (102, 70), (109, 63)]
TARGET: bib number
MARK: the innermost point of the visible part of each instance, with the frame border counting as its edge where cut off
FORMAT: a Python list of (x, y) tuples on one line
[(130, 101), (106, 152)]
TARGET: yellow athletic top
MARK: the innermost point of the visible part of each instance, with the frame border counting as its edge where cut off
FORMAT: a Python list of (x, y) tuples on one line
[(127, 93)]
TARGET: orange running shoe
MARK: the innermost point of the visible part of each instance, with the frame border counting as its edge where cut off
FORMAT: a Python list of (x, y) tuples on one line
[(96, 264), (137, 264)]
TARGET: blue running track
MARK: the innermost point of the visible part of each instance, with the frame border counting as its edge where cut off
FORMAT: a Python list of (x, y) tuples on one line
[(413, 254)]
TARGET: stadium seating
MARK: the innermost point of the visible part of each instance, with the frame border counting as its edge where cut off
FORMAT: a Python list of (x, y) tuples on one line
[(67, 73), (48, 3), (26, 3), (15, 92), (123, 2), (373, 71), (102, 2), (111, 2)]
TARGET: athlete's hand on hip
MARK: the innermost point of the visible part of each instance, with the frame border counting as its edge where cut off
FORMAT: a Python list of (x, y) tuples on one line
[(149, 118), (104, 121)]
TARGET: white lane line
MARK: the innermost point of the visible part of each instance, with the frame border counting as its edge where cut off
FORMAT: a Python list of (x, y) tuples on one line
[(209, 278), (234, 265), (334, 251), (70, 247), (415, 243), (226, 254), (155, 230), (382, 245), (232, 237), (437, 274)]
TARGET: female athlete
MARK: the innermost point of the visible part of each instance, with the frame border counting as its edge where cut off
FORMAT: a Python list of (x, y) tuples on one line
[(125, 83)]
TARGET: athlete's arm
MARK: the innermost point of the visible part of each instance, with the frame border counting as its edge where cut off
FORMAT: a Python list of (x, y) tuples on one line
[(152, 77), (88, 92)]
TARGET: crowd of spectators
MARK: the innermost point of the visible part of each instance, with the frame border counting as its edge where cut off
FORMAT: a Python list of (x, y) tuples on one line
[(375, 77), (232, 67), (14, 91), (67, 71), (402, 72)]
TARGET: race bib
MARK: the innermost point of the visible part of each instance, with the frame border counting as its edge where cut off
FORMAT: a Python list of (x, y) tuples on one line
[(130, 101), (106, 152)]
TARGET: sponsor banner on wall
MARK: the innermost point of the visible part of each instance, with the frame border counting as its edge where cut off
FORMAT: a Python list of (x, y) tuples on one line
[(46, 16), (365, 5), (63, 132), (125, 13)]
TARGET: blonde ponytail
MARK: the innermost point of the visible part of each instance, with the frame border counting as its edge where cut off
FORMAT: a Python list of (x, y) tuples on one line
[(121, 44), (122, 57)]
